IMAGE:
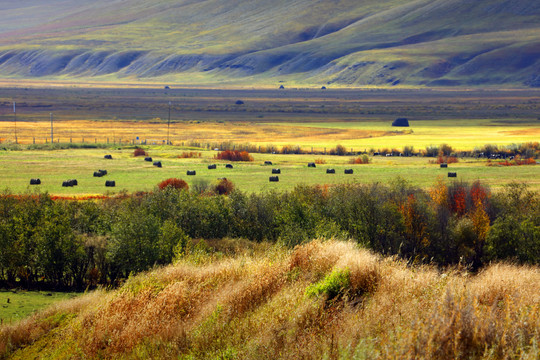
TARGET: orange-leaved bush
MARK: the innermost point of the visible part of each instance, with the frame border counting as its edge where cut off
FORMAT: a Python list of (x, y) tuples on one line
[(224, 187), (139, 152), (173, 183), (234, 155)]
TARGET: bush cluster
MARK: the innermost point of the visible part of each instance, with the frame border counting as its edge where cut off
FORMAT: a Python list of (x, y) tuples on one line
[(233, 155), (61, 243)]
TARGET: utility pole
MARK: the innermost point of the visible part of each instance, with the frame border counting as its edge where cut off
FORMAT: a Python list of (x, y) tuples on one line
[(169, 124), (52, 133), (15, 116)]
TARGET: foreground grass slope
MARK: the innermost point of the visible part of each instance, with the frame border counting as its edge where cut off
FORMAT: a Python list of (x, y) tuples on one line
[(321, 300), (390, 42)]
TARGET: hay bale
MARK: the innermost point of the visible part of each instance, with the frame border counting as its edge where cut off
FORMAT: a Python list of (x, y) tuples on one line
[(229, 166), (312, 164), (401, 122), (108, 157), (66, 183), (148, 158), (110, 183), (276, 171), (267, 163), (274, 178), (444, 166), (330, 171), (323, 87), (239, 102), (211, 167), (452, 174), (104, 172), (97, 174), (191, 172), (74, 182), (157, 164), (35, 182), (348, 171), (282, 87)]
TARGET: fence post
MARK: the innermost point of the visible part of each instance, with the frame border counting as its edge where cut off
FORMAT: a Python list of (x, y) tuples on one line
[(34, 140)]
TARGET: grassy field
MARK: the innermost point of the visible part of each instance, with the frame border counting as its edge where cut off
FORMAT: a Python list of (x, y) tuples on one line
[(134, 174), (321, 300), (17, 304)]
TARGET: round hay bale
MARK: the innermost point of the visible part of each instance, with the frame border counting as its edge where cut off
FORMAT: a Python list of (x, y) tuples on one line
[(191, 172), (330, 171), (267, 163), (401, 122), (148, 158), (276, 171), (108, 157), (110, 183), (229, 166), (157, 164), (211, 167), (444, 166), (274, 178), (35, 182), (239, 102), (311, 164), (452, 174), (348, 171)]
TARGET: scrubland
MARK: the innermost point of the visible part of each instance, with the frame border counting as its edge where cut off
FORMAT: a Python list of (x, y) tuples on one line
[(324, 299)]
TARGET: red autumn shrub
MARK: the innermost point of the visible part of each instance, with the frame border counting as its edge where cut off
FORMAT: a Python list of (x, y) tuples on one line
[(224, 187), (234, 155), (174, 183), (139, 152), (364, 159)]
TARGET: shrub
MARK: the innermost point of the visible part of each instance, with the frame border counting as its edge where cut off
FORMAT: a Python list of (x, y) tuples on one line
[(139, 152), (333, 285), (320, 161), (338, 150), (189, 155), (224, 187), (364, 159), (233, 155), (173, 183)]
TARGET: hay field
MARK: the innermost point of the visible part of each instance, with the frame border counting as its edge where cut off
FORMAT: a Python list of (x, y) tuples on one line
[(134, 174)]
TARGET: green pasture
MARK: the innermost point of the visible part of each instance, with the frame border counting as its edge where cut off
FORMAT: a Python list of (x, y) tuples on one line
[(19, 304), (134, 174)]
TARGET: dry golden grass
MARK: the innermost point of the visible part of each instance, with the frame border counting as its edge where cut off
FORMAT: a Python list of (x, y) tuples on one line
[(254, 305), (207, 132)]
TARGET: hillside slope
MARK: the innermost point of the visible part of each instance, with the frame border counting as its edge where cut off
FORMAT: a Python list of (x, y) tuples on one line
[(370, 42), (323, 300)]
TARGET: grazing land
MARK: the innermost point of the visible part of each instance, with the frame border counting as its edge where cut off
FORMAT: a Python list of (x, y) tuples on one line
[(18, 304), (113, 120)]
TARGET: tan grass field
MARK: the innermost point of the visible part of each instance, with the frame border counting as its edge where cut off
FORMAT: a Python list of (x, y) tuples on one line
[(359, 136), (257, 302)]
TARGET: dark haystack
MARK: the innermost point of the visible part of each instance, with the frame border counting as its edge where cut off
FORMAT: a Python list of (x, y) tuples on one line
[(330, 171), (444, 165), (282, 87), (267, 163), (110, 183), (348, 171), (69, 183), (276, 171), (452, 174), (403, 122), (191, 172), (274, 178), (211, 167), (149, 159), (109, 157), (100, 173), (229, 166), (35, 182), (239, 102), (311, 165), (323, 88), (157, 163)]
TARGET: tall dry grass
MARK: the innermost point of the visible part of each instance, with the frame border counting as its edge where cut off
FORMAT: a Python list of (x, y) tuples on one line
[(251, 302)]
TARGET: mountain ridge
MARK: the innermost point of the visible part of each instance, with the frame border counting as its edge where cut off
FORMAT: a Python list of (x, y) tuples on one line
[(342, 42)]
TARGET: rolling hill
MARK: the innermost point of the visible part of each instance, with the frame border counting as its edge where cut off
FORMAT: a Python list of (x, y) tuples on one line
[(340, 42)]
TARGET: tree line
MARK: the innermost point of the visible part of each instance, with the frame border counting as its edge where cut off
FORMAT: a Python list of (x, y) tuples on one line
[(49, 243)]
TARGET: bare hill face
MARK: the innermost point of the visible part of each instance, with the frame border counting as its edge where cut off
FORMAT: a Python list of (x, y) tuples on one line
[(347, 42)]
